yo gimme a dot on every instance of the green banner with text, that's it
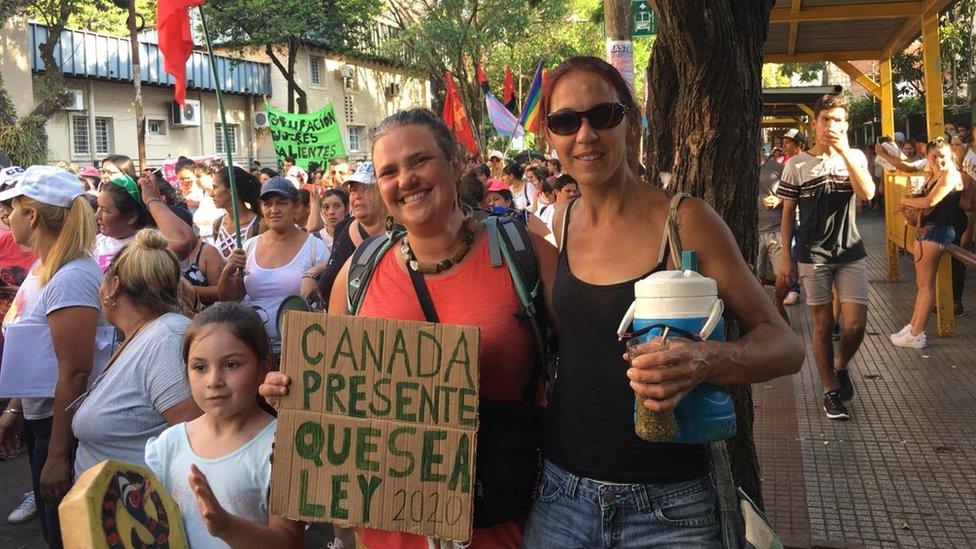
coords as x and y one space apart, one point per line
311 137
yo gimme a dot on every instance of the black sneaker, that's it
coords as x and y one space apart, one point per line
834 407
846 388
958 310
835 331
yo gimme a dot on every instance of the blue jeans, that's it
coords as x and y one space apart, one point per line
37 436
573 512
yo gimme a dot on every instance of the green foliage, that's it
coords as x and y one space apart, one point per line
772 77
863 109
337 25
805 71
101 16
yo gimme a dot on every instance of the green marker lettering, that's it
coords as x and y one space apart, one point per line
338 457
344 349
461 472
365 445
429 459
339 493
392 447
305 508
309 439
461 356
399 349
367 489
357 396
313 360
311 381
435 351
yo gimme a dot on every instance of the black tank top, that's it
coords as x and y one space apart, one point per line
947 212
589 423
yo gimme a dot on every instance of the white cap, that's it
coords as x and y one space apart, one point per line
792 134
899 137
496 154
47 185
10 176
675 284
296 171
364 174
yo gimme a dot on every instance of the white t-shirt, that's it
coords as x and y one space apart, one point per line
267 288
969 163
106 247
546 213
239 480
124 407
205 215
522 198
74 285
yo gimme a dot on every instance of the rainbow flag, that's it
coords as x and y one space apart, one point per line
530 110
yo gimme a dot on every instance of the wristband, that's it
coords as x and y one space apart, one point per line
153 199
11 411
311 275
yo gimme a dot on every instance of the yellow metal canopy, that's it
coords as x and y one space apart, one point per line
826 30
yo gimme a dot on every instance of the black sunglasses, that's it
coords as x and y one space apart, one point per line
602 117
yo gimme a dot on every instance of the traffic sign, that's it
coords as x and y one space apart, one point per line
644 18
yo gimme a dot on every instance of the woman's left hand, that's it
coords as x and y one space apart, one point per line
149 189
55 479
215 517
665 377
309 289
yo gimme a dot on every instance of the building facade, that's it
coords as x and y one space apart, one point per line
100 120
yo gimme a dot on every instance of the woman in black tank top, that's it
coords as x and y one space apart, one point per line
601 485
939 228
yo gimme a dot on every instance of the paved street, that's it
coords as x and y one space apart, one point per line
14 481
902 471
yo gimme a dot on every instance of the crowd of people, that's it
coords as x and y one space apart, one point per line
809 198
160 306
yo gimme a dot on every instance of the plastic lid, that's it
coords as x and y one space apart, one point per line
675 284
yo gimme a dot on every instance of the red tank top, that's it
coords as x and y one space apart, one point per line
473 294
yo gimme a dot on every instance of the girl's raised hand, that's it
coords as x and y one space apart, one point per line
217 520
275 385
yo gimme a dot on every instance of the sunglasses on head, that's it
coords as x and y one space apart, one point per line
601 117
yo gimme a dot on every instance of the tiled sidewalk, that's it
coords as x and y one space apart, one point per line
902 471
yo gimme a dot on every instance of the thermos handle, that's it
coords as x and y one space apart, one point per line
713 317
625 322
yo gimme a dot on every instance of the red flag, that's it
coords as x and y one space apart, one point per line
482 79
455 118
509 96
175 40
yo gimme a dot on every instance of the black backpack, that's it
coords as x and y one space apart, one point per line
508 239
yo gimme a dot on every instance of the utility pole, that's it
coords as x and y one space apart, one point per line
620 46
137 84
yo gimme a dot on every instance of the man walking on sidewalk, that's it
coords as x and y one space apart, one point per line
825 182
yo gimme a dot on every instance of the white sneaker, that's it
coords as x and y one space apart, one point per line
901 332
906 339
24 512
792 298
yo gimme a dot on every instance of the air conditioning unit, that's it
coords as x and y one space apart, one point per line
76 101
187 115
392 90
261 119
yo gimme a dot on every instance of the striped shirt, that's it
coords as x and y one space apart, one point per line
822 189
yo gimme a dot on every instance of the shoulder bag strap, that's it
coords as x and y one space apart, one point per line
674 237
423 295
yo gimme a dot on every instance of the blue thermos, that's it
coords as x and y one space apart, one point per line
688 303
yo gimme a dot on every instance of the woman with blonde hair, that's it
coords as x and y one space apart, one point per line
47 211
143 389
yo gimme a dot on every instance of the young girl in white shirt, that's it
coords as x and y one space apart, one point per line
217 467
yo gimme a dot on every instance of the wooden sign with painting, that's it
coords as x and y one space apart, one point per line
117 505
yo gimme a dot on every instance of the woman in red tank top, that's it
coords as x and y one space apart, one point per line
418 167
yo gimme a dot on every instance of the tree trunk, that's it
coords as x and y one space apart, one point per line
704 109
288 72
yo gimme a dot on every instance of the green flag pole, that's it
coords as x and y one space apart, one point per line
223 127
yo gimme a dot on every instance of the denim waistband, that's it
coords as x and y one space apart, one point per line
641 497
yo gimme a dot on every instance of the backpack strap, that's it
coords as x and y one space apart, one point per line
674 237
514 244
364 261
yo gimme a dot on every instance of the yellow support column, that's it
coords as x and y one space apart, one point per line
943 297
932 65
888 128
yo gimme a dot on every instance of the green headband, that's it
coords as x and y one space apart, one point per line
128 185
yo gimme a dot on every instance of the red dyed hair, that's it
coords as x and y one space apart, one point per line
612 76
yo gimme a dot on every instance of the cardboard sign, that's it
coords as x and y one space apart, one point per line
380 424
312 137
120 505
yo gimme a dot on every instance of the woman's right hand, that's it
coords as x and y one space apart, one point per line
236 260
274 387
9 427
